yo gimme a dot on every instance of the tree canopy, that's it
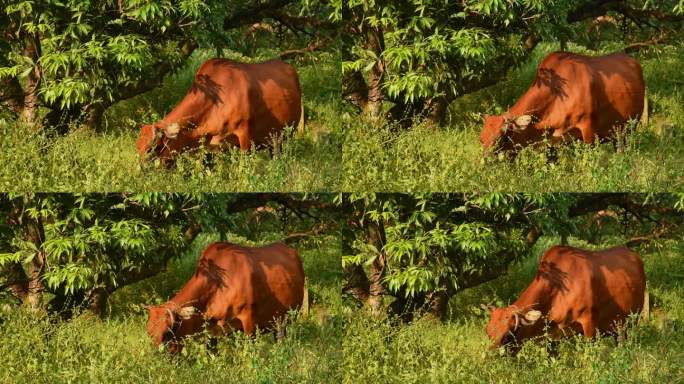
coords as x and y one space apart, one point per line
80 248
422 249
77 58
422 54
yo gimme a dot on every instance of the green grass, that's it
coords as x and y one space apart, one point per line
118 350
84 160
457 351
380 158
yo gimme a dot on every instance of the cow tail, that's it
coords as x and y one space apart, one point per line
646 309
300 125
644 113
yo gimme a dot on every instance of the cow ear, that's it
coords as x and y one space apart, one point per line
532 316
172 130
523 121
186 312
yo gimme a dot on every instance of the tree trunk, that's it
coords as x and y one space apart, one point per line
12 95
97 301
439 302
437 110
375 42
35 234
94 114
16 280
355 89
357 283
31 102
376 237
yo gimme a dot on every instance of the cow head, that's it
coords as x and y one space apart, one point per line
154 141
149 140
498 127
168 323
510 325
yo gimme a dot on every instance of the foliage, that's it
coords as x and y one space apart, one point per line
84 56
440 241
92 241
421 51
432 47
76 245
443 243
89 51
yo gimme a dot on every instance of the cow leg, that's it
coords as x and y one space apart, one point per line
247 324
587 132
588 327
243 138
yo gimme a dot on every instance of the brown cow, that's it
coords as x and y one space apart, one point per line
233 288
576 291
572 96
228 103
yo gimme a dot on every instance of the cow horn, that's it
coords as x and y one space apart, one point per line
171 316
522 121
531 317
517 320
186 312
172 130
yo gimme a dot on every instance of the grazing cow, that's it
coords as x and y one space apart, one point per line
574 291
572 97
233 288
229 103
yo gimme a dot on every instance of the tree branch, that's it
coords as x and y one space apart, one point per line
254 13
315 45
318 229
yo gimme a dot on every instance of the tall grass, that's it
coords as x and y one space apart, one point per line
84 160
380 157
118 350
427 351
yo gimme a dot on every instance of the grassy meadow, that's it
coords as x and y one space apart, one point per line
83 160
378 156
457 351
117 349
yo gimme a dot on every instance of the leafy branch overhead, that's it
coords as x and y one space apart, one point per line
433 246
421 56
83 247
79 58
